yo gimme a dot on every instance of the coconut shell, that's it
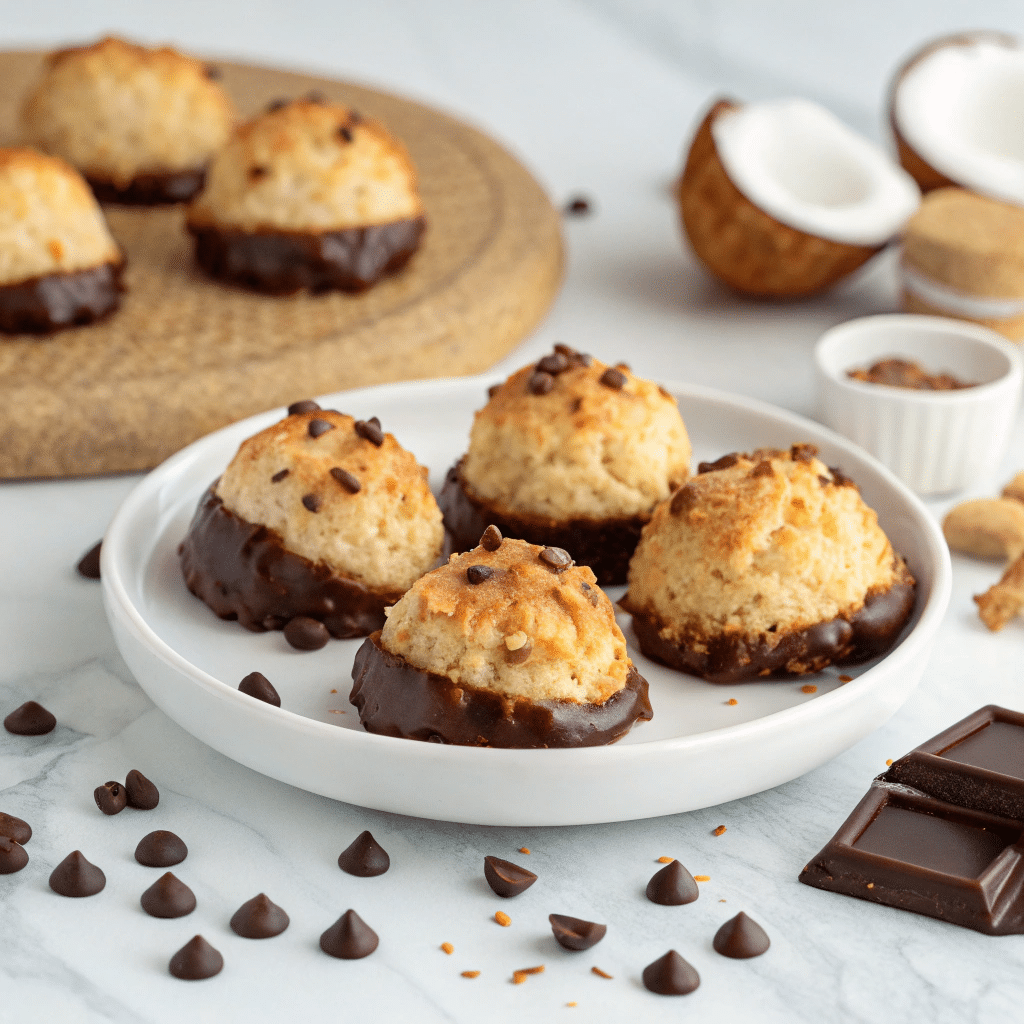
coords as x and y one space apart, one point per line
743 246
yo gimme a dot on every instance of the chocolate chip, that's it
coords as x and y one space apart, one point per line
306 405
763 468
354 117
741 938
110 797
89 564
577 206
259 918
490 539
318 427
364 857
12 857
479 573
258 171
14 828
213 73
306 634
493 390
279 476
312 502
683 500
572 933
277 104
75 876
615 379
554 364
141 793
168 896
583 358
196 960
257 685
540 383
520 654
670 975
370 431
347 480
315 96
349 938
345 132
31 719
823 480
160 849
839 478
505 878
803 452
723 463
558 558
672 886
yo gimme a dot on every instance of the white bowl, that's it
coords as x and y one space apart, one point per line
934 441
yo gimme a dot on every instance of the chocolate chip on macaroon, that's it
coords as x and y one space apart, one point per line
490 540
279 476
318 427
558 558
476 574
110 797
614 379
306 405
541 383
553 364
347 480
370 430
312 502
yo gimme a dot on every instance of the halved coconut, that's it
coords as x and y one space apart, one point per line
782 199
957 111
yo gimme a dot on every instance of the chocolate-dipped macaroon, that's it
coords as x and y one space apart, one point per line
571 453
308 195
319 517
59 266
141 124
766 565
507 645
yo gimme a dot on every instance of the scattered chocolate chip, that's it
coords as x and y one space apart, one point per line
505 878
741 938
572 933
89 564
31 719
370 431
554 364
75 876
306 405
479 573
670 975
763 468
258 171
672 886
160 849
345 132
615 379
683 500
196 960
493 390
558 558
540 383
141 793
12 856
803 452
306 634
168 896
315 96
519 654
257 685
723 463
213 73
347 480
577 206
364 857
490 539
312 502
318 427
259 918
14 828
277 104
110 797
349 938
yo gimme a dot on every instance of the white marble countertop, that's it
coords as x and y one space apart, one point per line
596 97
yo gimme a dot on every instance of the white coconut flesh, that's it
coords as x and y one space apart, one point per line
961 109
798 162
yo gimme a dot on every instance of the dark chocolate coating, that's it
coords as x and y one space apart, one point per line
153 188
867 633
285 262
243 571
575 934
52 302
606 545
396 699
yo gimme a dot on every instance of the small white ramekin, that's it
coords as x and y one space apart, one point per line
934 441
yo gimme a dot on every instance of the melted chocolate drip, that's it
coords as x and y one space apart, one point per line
151 189
52 302
396 699
243 571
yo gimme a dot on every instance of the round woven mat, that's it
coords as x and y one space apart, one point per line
185 355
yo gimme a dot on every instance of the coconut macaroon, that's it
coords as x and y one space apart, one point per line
59 265
318 517
507 645
308 195
573 453
141 124
767 564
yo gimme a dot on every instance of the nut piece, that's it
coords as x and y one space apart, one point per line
1005 599
986 528
1015 488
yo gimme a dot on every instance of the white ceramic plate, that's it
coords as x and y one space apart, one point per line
698 751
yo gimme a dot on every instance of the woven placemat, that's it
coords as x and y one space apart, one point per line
185 355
